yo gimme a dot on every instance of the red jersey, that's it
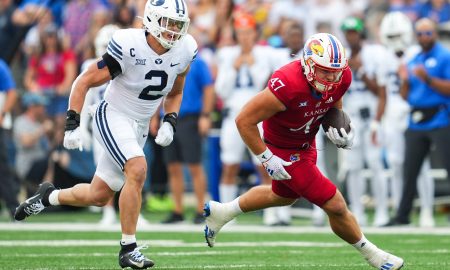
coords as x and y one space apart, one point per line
50 68
297 126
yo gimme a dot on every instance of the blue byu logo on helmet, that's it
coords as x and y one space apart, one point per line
157 2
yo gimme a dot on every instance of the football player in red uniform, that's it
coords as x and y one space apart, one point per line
291 109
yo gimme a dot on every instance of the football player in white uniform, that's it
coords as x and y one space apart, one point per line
145 66
364 102
396 33
93 97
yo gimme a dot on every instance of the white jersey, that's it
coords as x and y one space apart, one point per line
237 87
359 96
146 76
397 109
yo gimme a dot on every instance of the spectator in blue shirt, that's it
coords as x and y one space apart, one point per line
8 96
426 86
193 124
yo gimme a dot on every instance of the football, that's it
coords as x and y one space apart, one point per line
336 118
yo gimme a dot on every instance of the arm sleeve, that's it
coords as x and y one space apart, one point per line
114 67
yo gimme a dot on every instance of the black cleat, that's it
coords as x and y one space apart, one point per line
135 259
173 218
397 223
33 205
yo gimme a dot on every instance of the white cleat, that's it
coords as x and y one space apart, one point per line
216 217
385 261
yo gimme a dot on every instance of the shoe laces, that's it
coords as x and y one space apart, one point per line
137 255
34 208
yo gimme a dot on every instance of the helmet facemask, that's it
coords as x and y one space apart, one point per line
175 29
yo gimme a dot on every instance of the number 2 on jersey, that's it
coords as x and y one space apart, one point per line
152 92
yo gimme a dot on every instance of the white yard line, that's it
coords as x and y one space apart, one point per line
162 243
83 227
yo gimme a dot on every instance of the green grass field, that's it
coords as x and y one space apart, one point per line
58 246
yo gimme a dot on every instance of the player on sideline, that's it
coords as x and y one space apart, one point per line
291 108
144 65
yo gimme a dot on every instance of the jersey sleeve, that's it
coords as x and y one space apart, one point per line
117 47
190 50
279 85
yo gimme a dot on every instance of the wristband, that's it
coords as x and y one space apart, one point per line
72 120
265 156
171 118
428 80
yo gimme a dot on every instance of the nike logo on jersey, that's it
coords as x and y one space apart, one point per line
144 135
140 62
31 198
172 65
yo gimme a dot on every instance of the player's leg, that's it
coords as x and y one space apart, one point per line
356 184
131 195
176 184
199 186
425 189
417 146
379 184
344 225
191 154
123 140
269 214
232 150
96 193
257 198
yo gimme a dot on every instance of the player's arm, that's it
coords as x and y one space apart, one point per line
95 75
172 101
259 108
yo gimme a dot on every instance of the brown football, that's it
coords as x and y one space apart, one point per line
336 118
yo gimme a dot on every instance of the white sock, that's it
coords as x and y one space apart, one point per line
227 193
53 197
233 207
364 246
128 239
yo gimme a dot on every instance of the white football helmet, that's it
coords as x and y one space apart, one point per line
396 31
104 35
166 16
323 52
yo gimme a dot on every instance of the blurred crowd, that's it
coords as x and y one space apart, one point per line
45 43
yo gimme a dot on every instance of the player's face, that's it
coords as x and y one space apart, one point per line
174 27
327 75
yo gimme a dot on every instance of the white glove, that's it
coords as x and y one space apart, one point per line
165 134
345 141
274 165
72 139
